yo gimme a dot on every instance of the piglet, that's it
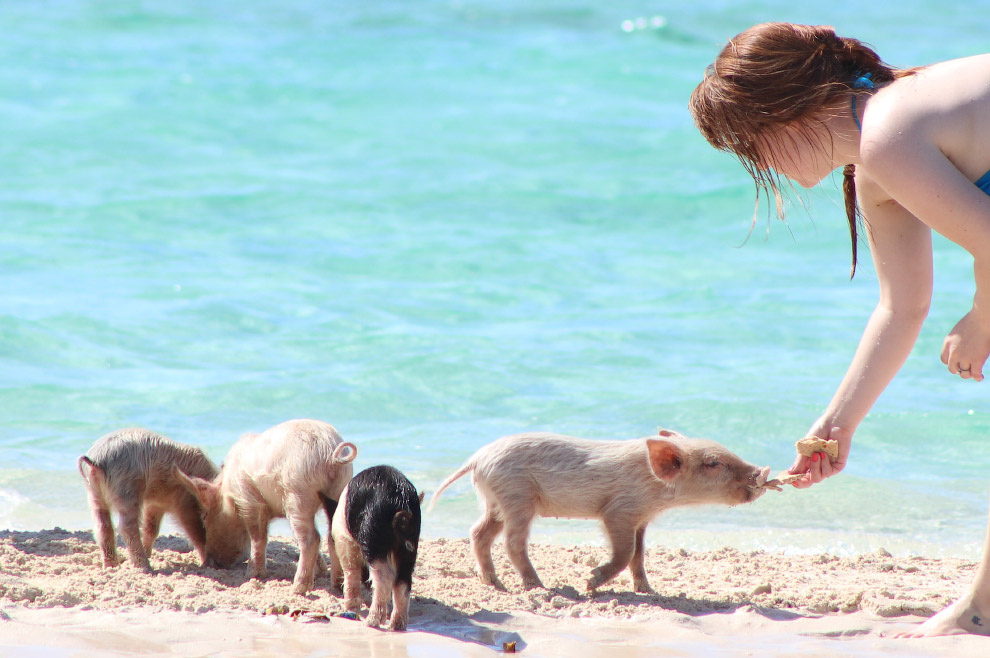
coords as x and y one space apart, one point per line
289 470
132 471
378 526
625 484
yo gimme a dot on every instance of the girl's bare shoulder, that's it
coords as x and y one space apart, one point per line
936 92
944 107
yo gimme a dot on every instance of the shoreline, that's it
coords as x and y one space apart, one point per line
52 578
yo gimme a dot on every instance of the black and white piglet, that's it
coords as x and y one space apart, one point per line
377 524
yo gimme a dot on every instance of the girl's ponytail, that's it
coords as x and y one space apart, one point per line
852 209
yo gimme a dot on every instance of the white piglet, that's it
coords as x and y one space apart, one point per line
625 484
290 470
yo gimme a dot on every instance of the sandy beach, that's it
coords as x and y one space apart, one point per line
56 600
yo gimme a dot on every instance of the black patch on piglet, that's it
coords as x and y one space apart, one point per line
330 506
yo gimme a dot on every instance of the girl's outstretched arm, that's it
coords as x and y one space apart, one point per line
902 255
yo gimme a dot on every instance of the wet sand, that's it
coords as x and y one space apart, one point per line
56 599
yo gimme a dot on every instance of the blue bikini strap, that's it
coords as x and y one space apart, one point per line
864 81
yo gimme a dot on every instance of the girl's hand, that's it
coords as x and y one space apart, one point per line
966 347
818 467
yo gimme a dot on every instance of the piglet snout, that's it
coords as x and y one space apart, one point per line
757 483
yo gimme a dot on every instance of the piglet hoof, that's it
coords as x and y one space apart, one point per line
143 567
259 573
352 605
397 623
301 588
493 581
532 583
594 583
375 621
644 588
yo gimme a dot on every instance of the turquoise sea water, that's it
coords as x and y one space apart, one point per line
435 223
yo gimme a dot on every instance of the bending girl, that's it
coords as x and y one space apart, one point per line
799 101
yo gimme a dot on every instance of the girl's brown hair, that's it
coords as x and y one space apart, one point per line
774 75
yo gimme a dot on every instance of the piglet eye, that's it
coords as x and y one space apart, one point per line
712 464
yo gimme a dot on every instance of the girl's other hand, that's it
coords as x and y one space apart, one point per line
818 466
966 347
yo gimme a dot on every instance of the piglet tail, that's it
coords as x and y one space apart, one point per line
344 453
402 527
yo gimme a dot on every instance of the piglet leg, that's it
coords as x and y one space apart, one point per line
336 573
105 537
623 539
483 535
351 562
257 565
400 607
637 564
516 547
130 529
304 530
150 527
382 582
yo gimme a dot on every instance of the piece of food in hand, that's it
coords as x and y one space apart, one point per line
782 479
808 447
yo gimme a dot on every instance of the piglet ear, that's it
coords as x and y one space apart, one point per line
205 492
666 458
668 433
